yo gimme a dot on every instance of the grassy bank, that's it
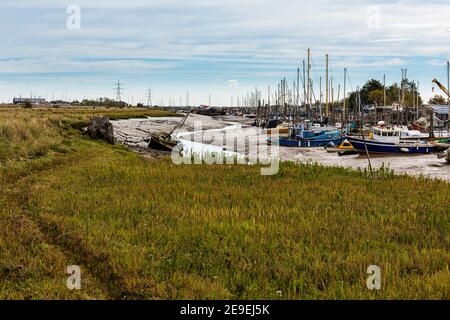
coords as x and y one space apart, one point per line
149 229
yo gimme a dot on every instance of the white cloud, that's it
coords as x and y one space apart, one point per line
233 83
255 40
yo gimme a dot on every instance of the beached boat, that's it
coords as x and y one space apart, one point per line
343 149
165 141
384 139
308 135
276 127
161 141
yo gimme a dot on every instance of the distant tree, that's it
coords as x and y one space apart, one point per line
373 92
140 105
104 102
437 99
376 97
371 85
393 92
27 104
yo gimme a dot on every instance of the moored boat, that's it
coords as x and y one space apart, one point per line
343 149
308 135
384 139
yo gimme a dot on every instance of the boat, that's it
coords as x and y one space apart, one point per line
445 155
161 141
309 135
275 126
343 149
385 139
209 111
165 141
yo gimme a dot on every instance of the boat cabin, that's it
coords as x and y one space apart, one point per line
394 134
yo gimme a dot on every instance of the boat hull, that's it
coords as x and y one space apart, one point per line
383 147
340 151
286 142
162 141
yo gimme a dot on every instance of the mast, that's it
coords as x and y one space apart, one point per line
448 97
320 98
338 95
278 99
332 100
284 99
417 97
293 107
304 83
326 87
309 80
414 96
345 88
298 94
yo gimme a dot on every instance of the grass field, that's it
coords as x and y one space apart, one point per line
147 229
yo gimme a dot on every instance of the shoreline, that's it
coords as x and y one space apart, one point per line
132 132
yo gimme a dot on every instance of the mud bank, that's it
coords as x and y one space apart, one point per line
132 133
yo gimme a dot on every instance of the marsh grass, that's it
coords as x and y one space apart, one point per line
143 228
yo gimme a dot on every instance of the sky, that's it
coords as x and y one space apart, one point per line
220 49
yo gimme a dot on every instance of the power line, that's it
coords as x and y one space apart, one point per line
149 97
119 91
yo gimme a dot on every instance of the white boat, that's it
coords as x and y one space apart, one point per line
385 139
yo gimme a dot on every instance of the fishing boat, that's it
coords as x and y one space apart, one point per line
309 135
385 139
343 149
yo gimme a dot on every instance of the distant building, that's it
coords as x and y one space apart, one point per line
394 107
439 109
34 101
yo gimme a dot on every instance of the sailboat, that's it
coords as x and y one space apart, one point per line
165 141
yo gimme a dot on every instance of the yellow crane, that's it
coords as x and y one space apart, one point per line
442 87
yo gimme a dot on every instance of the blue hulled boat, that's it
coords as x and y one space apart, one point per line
384 139
307 135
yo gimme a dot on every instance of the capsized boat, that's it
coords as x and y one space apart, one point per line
309 135
343 149
385 139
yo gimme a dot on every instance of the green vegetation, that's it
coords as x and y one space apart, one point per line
373 93
28 134
27 104
437 99
143 228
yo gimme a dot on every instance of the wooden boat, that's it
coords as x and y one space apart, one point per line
161 141
343 149
165 141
